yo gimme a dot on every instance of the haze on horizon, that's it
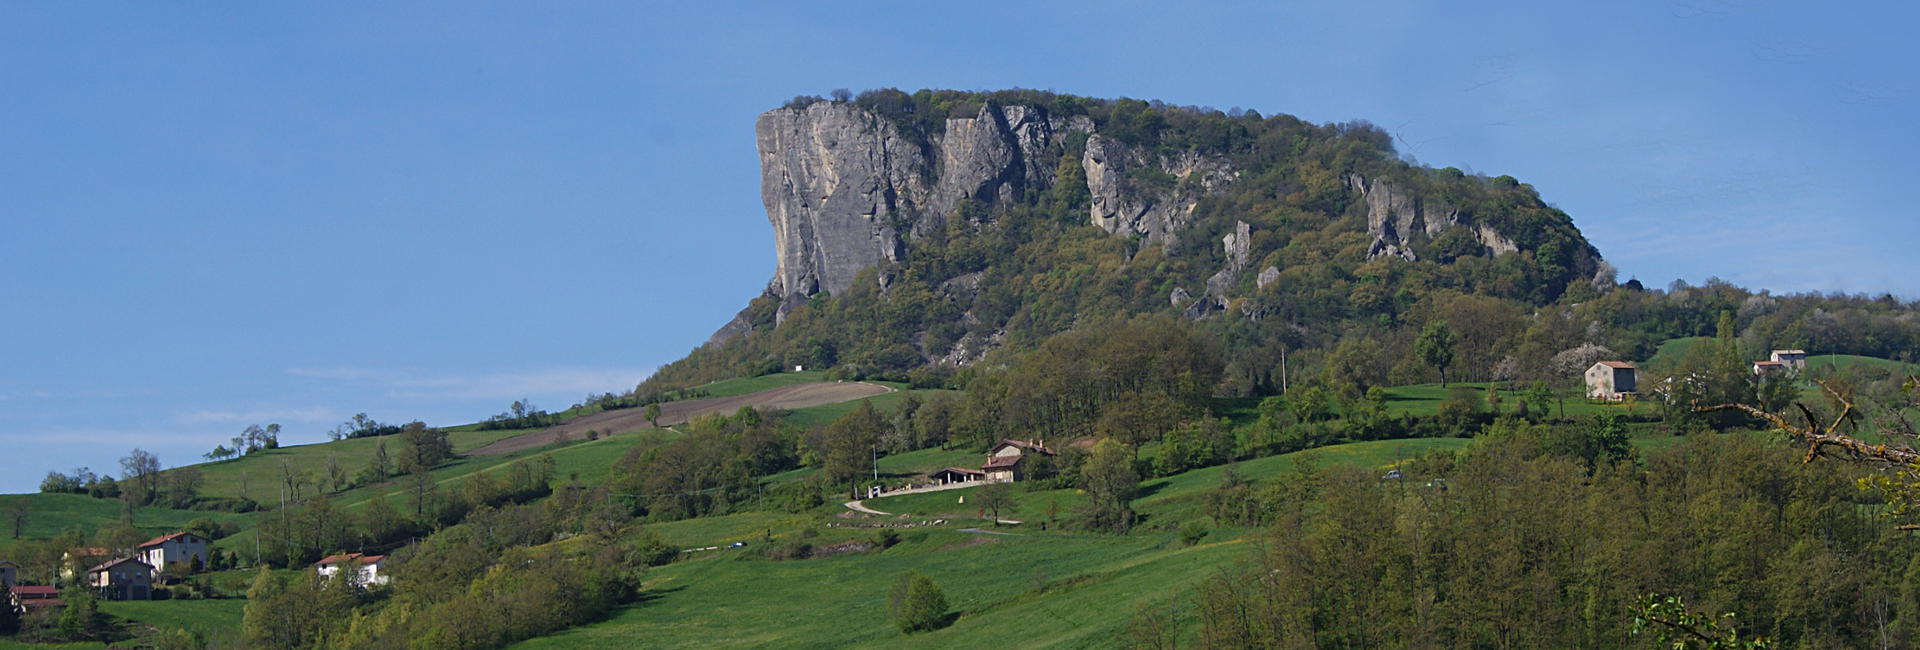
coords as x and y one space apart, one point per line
234 214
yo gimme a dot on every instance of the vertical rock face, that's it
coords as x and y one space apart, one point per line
831 177
1124 207
844 188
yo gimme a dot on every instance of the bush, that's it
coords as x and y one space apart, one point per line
1192 533
792 550
916 604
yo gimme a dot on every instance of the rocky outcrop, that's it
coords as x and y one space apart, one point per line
1238 245
1128 206
1394 216
1268 276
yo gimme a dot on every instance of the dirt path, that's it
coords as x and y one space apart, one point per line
671 413
856 505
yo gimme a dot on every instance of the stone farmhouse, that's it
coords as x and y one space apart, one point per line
1610 380
1007 461
1795 359
9 573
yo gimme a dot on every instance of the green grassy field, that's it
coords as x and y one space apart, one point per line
1425 400
1027 589
1056 591
10 644
199 616
55 513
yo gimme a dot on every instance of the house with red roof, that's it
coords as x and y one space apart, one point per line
27 599
176 549
1610 380
363 570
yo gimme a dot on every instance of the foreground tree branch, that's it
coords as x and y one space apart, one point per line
1901 487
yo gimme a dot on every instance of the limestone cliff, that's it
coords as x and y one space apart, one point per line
842 186
845 190
1394 217
1125 206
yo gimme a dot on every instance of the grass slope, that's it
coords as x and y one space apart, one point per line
1028 589
54 513
1055 590
203 617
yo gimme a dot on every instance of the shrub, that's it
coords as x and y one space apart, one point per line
916 604
792 550
1192 533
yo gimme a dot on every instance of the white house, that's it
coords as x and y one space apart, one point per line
363 569
1610 380
183 547
1795 359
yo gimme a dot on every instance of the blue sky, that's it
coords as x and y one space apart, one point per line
245 213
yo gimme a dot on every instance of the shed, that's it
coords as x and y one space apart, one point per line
9 573
956 475
1610 380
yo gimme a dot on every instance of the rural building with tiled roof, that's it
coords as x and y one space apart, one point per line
122 579
1610 380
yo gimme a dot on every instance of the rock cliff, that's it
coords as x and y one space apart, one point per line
845 189
1395 216
842 186
1125 205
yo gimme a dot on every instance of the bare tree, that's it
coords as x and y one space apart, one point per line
17 515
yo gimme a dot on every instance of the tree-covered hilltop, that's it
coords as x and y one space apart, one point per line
1006 274
1347 253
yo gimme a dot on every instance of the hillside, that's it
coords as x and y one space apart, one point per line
1234 346
1010 216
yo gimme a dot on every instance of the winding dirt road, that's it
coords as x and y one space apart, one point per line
671 413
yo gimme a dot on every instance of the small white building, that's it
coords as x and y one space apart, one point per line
1610 380
178 548
364 570
1795 359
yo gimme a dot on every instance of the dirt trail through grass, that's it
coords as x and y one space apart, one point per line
623 420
